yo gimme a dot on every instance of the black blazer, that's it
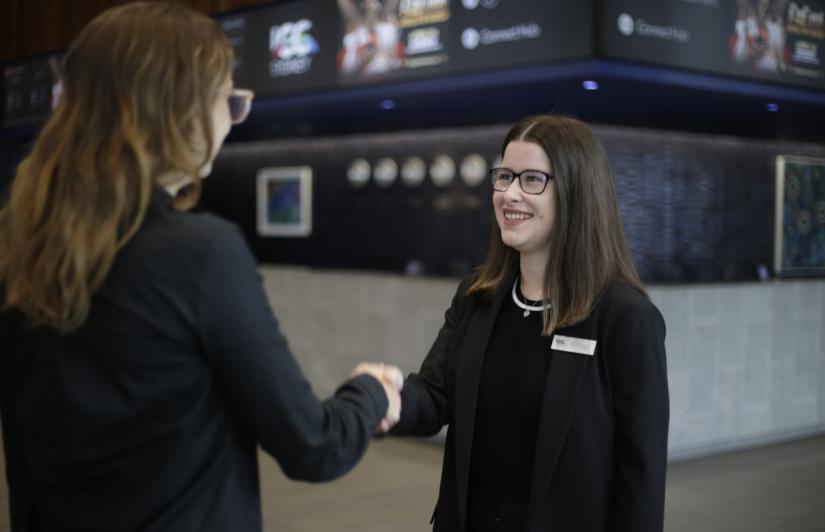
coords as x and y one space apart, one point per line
601 451
147 417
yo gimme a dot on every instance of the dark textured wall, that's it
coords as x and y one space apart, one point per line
696 208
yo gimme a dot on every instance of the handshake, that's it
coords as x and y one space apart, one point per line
393 381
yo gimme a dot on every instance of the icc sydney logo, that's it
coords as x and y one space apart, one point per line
291 48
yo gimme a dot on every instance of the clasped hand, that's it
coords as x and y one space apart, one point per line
393 381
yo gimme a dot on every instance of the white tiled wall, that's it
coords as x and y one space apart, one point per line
746 361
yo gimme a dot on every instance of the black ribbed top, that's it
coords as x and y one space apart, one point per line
509 401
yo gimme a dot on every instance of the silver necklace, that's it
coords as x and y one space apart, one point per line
527 308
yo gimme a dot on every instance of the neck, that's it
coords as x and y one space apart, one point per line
531 271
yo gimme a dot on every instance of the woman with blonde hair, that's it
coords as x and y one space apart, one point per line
140 363
550 366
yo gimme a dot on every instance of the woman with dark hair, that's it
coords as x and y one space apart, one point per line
140 364
550 366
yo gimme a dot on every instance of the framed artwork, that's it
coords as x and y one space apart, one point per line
799 236
284 196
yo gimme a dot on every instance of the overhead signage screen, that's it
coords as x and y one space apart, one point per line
304 45
780 40
392 38
236 28
495 33
323 44
290 47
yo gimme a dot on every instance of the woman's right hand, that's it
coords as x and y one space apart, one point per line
393 381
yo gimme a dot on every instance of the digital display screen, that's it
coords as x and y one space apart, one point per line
494 33
307 45
236 28
325 44
32 89
284 48
781 40
383 39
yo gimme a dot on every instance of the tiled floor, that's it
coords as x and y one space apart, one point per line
778 488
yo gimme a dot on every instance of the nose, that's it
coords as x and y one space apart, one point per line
514 192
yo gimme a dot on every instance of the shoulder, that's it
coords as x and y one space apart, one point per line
464 296
206 227
620 301
214 242
187 229
619 295
179 247
465 284
462 300
193 233
632 333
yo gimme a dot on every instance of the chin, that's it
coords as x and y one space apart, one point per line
512 243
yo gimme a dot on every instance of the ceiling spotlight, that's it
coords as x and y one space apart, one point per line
773 107
590 85
387 105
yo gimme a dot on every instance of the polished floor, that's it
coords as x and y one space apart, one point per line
777 488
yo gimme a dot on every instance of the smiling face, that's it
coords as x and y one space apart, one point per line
526 220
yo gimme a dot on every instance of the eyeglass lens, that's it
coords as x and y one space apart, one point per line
531 181
239 105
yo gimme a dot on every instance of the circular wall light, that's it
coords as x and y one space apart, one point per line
384 172
358 173
473 170
413 171
442 170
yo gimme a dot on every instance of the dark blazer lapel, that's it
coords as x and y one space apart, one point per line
468 375
564 378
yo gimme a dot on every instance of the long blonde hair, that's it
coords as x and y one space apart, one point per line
139 83
588 249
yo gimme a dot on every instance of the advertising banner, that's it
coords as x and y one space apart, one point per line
320 44
392 38
781 40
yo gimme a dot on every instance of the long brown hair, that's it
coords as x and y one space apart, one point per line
139 82
588 248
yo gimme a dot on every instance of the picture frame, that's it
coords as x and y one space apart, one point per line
284 201
799 230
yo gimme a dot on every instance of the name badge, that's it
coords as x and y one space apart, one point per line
570 344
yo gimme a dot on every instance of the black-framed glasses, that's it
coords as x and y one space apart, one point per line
531 181
240 102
